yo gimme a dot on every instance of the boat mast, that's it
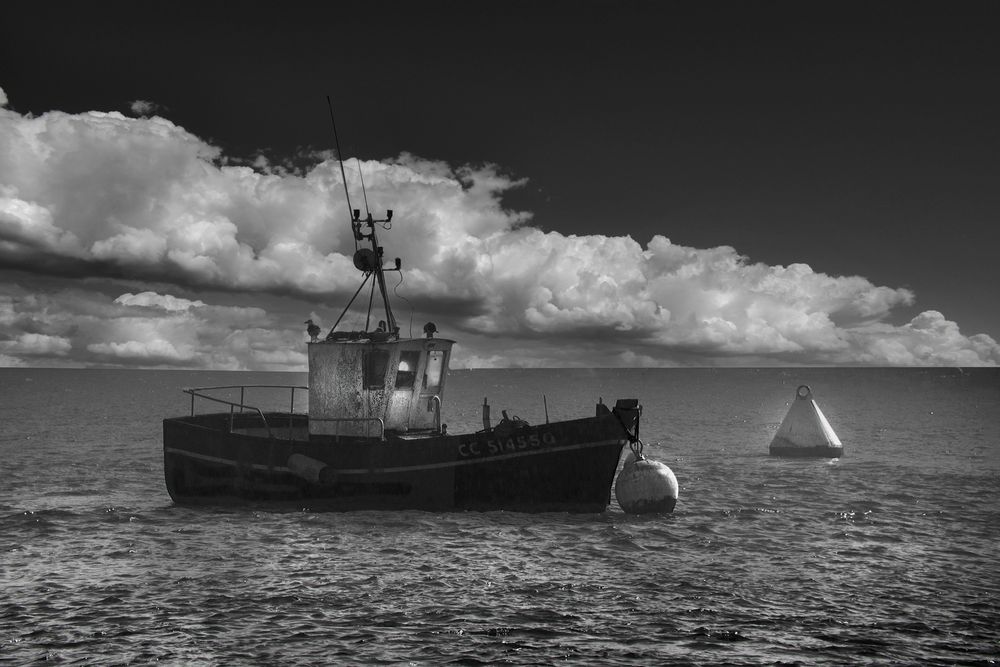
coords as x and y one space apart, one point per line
366 260
369 261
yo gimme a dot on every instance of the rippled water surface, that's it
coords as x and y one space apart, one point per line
888 555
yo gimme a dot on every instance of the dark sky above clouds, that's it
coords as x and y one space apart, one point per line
702 182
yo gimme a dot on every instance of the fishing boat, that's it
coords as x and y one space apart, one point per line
374 436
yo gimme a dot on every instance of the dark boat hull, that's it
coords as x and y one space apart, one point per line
221 459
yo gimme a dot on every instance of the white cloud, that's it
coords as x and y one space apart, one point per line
100 195
154 350
27 225
8 361
266 349
74 326
143 107
131 246
36 344
927 340
3 98
152 299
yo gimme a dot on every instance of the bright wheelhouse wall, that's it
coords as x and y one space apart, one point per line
352 384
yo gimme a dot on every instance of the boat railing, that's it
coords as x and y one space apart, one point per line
339 420
434 403
242 406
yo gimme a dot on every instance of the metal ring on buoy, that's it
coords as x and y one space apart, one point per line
807 394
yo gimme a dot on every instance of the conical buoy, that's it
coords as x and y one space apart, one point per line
645 486
805 431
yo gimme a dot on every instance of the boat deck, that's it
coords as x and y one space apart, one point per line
292 432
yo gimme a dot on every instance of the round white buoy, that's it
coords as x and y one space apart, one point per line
645 486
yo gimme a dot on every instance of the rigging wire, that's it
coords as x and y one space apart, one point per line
358 291
371 299
343 174
396 292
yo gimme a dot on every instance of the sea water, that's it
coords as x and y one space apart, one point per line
887 555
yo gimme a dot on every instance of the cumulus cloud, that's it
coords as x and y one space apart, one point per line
103 194
153 350
109 198
144 107
37 344
154 300
74 326
929 339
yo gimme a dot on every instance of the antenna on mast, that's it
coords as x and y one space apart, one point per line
368 211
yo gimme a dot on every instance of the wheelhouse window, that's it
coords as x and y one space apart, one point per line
435 365
407 372
376 363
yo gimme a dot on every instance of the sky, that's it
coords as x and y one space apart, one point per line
590 184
